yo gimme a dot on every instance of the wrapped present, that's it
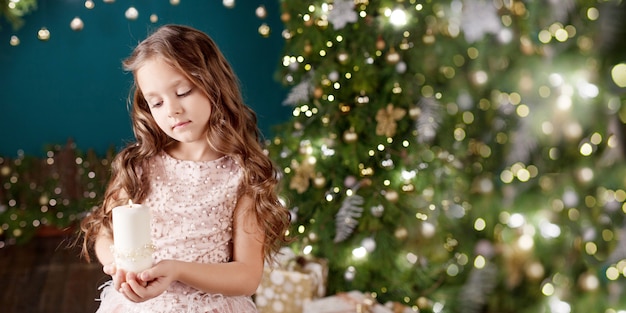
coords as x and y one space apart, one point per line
352 302
289 284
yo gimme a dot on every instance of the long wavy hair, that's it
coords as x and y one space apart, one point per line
232 130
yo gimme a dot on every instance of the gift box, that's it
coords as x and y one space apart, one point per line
291 283
352 302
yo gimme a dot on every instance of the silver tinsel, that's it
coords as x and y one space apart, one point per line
347 217
299 93
476 290
428 120
523 142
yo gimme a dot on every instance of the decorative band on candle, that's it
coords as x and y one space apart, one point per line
132 255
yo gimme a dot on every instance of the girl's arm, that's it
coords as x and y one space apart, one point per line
241 276
102 248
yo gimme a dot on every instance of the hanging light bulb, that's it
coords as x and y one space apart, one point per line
43 34
14 41
132 13
77 24
264 30
261 12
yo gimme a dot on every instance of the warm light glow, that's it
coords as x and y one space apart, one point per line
307 250
586 149
549 230
516 220
398 17
408 175
480 224
525 242
480 262
359 252
547 289
618 74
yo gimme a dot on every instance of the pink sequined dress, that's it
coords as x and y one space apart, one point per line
192 207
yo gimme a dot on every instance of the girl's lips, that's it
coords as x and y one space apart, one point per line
181 124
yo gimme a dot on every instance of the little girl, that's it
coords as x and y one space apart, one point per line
199 165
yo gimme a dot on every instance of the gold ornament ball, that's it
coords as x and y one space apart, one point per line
366 182
154 18
391 195
318 92
174 2
285 17
77 24
380 44
43 34
350 136
526 46
43 200
307 48
588 282
393 57
401 233
423 303
535 271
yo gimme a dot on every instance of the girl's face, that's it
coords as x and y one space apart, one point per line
178 107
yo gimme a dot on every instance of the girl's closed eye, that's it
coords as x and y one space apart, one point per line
184 94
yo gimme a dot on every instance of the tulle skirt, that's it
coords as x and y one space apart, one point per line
178 299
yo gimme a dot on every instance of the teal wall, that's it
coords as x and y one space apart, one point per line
73 86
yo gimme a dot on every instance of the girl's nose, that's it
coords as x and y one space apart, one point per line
174 108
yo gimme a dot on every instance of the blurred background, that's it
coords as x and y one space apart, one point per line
73 85
437 156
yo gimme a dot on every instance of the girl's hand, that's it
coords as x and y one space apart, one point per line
118 275
149 283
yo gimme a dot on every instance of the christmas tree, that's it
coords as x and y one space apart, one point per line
459 156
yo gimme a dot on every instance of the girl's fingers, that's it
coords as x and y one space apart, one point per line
136 286
127 290
109 269
118 279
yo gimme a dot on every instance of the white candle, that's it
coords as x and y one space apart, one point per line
132 242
